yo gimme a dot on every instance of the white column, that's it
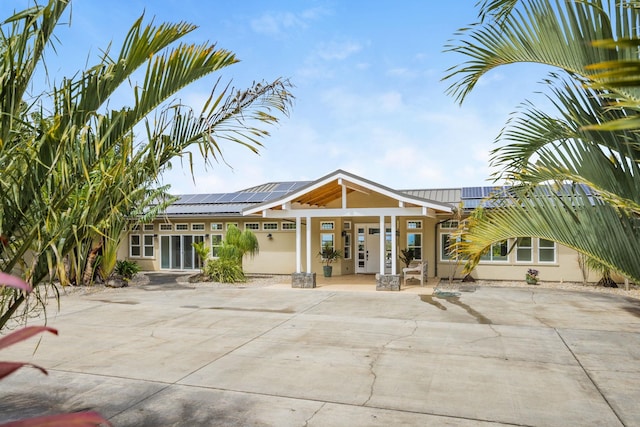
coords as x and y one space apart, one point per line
382 239
308 244
298 245
394 255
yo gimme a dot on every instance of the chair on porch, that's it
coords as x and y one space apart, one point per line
415 270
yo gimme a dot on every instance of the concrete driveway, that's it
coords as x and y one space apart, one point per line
179 356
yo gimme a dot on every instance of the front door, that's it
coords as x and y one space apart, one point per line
368 248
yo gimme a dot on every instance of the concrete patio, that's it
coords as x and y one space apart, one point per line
275 356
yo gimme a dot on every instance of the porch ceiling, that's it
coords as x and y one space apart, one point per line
322 195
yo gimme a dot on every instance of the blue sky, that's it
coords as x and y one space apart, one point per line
367 76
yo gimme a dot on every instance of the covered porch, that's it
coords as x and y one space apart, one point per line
320 213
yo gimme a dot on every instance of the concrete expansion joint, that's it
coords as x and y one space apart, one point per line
593 382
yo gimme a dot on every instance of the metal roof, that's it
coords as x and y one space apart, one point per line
442 195
233 204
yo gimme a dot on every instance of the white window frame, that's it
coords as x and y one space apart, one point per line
197 226
253 226
346 225
288 226
149 227
414 224
540 248
332 239
450 224
520 247
137 245
217 226
347 246
327 225
490 254
229 224
166 227
415 246
214 248
148 243
182 227
270 226
444 257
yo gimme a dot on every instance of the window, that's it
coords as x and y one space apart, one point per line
197 227
182 227
148 245
327 225
252 226
546 250
450 223
149 227
327 241
216 243
414 225
270 226
215 226
134 245
135 227
229 224
288 225
497 252
445 247
346 225
524 250
414 242
166 227
347 246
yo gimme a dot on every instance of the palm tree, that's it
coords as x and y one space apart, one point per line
72 167
237 244
574 170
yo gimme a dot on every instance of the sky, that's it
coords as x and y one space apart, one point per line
367 76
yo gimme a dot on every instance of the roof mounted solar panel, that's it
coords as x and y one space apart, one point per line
472 192
242 197
212 198
259 197
185 199
226 198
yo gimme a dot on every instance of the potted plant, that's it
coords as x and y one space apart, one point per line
329 255
407 256
532 276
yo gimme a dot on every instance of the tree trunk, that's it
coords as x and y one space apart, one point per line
87 277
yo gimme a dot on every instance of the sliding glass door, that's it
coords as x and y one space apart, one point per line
177 253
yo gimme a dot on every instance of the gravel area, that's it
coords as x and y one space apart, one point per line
263 280
633 292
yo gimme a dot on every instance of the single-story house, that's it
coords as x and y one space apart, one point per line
370 223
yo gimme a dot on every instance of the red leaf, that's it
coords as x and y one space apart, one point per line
14 282
78 419
23 334
8 368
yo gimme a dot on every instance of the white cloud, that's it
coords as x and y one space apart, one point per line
278 23
337 50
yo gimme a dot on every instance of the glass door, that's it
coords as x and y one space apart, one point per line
368 248
177 253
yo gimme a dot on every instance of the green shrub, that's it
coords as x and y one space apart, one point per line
224 270
127 269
